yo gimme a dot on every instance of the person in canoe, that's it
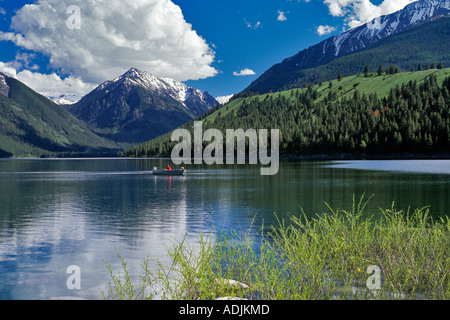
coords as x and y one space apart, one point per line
168 171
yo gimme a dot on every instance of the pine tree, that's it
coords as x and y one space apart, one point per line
340 76
380 70
366 71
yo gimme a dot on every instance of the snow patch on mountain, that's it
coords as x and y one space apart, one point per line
4 88
192 99
360 37
338 40
349 42
177 90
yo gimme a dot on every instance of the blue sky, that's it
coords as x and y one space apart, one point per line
249 35
215 46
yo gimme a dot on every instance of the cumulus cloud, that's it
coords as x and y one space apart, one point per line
244 72
24 60
324 30
224 99
358 12
281 15
49 85
113 35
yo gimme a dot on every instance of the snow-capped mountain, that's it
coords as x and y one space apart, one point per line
190 97
137 106
64 100
351 41
360 37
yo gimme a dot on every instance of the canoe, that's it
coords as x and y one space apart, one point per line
164 172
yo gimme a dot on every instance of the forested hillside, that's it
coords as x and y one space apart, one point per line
413 118
33 126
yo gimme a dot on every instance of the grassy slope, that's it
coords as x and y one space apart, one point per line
379 84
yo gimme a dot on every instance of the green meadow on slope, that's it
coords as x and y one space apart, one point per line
381 85
361 114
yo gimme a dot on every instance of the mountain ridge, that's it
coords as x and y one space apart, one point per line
351 41
138 106
31 125
414 53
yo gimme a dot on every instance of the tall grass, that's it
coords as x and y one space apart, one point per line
325 257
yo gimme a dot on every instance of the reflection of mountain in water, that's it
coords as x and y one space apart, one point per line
54 214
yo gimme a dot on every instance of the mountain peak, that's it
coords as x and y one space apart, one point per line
349 42
133 70
138 106
65 100
381 27
134 73
176 89
137 77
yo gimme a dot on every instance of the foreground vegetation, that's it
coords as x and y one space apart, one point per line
326 257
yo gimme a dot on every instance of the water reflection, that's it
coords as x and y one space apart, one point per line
57 213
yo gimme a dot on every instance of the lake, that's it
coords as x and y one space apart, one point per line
59 213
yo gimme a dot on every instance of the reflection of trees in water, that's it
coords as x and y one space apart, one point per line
50 209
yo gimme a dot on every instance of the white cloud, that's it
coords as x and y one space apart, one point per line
282 15
358 12
2 11
244 72
24 60
115 35
324 30
49 85
255 26
224 99
8 70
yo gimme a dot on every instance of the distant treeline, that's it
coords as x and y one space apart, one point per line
414 118
392 69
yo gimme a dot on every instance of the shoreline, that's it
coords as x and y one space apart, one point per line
406 156
321 263
343 156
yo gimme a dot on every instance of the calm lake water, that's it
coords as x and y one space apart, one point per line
58 213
